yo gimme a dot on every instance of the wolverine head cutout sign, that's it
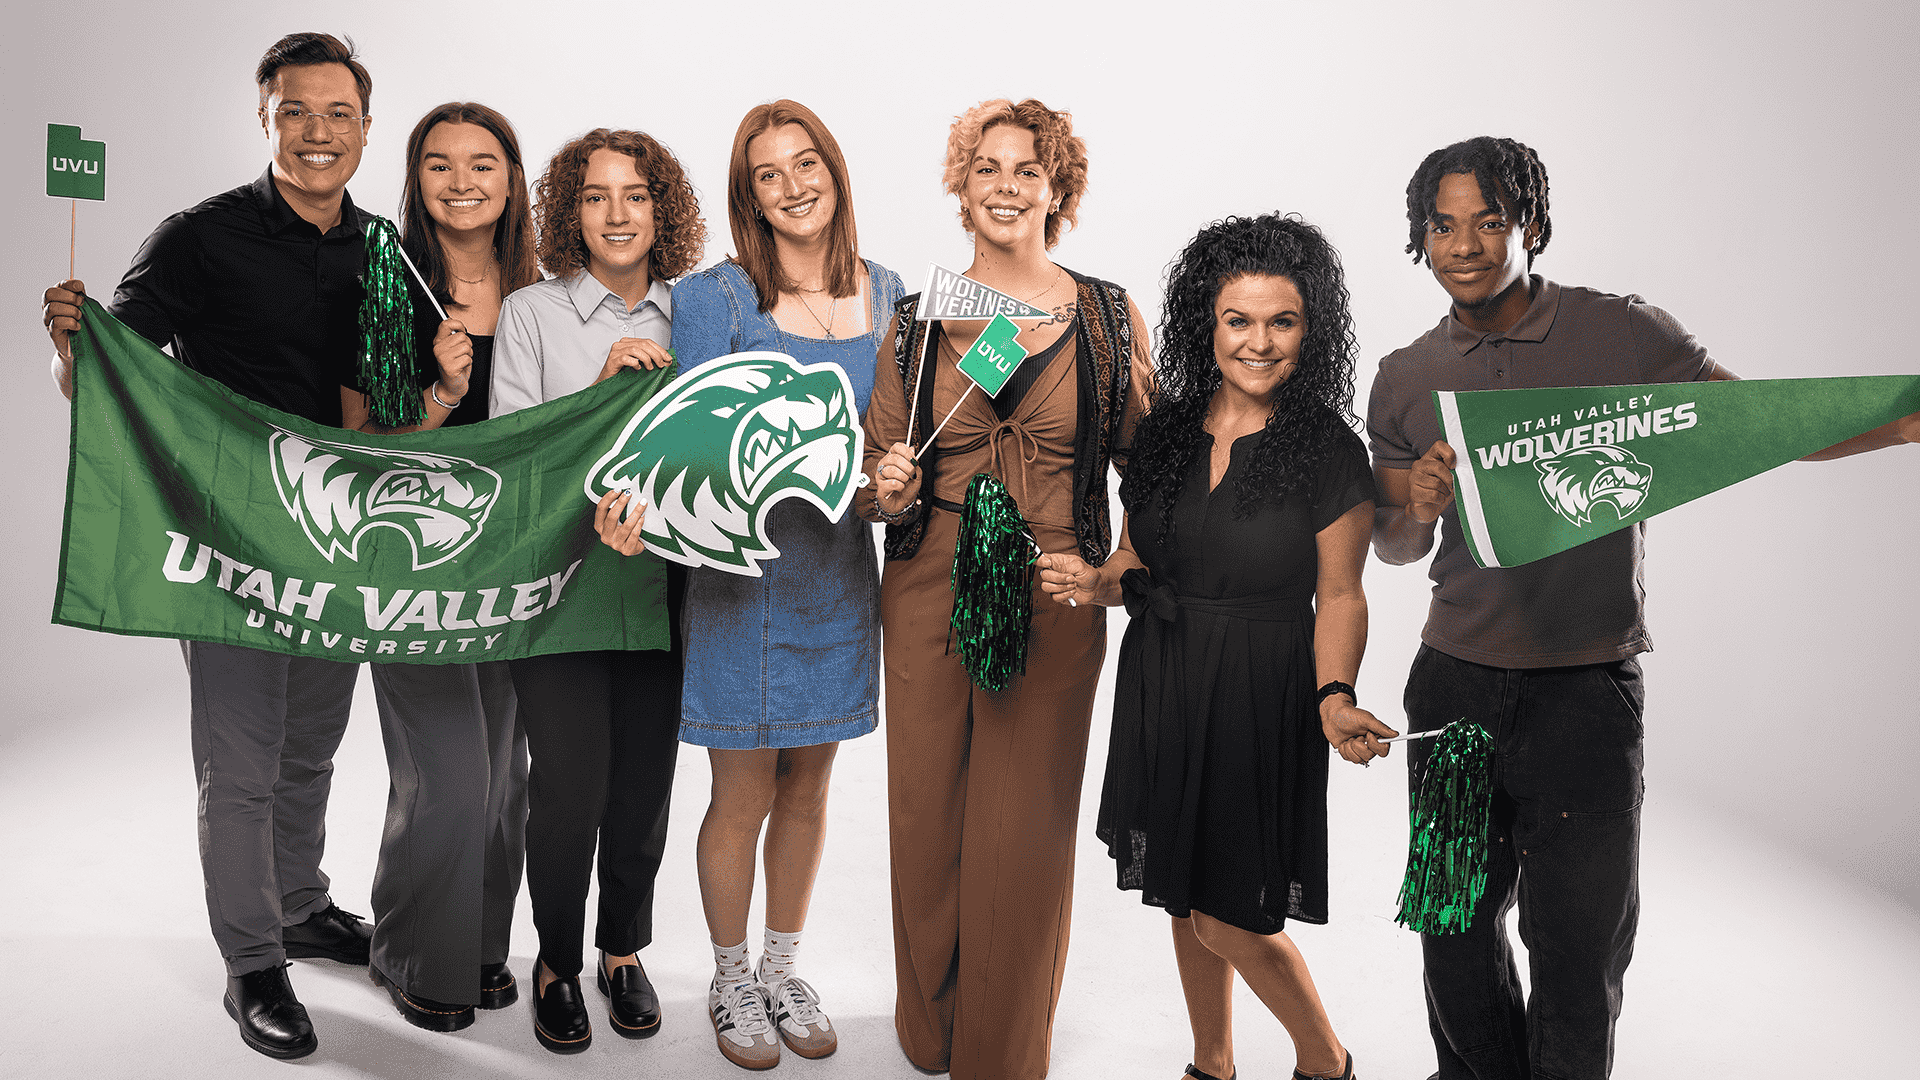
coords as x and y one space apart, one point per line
712 453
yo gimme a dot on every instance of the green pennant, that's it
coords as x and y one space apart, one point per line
76 167
1540 471
994 356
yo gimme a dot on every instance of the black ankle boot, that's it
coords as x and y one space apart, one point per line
271 1018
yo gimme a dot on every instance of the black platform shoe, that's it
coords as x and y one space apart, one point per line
271 1019
424 1012
631 1003
333 934
497 986
560 1016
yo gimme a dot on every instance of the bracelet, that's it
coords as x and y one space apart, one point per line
906 511
434 393
1333 688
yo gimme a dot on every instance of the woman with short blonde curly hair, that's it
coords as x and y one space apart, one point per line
617 219
983 786
1062 156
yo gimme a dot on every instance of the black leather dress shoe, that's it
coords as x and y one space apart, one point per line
424 1012
336 935
271 1019
631 1003
497 986
560 1016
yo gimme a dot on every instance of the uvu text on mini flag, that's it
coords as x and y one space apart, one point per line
994 355
1539 471
76 169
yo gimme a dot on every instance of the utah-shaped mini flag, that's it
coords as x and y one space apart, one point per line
76 167
994 355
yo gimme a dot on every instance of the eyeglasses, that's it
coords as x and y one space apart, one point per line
337 121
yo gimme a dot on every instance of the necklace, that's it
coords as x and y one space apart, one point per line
1057 272
485 272
831 309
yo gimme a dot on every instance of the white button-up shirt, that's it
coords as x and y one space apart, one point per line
554 335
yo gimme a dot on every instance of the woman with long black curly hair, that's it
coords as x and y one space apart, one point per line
1254 502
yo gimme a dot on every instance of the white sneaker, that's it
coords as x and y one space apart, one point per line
740 1024
797 1016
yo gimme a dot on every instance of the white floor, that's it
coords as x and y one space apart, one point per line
1752 961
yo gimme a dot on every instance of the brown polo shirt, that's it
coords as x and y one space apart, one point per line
1582 606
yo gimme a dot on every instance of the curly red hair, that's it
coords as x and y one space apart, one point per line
680 234
1063 155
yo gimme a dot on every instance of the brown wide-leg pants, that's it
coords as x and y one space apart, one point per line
983 802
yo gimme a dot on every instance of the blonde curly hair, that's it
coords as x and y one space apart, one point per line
1062 154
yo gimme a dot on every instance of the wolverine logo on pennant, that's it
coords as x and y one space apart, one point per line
340 492
712 453
1578 480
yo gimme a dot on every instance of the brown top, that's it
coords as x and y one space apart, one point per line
1031 451
1585 605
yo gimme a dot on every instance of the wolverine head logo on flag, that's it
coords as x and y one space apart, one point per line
711 454
340 492
1578 480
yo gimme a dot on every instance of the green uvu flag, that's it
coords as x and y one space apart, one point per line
994 356
76 167
195 513
1541 471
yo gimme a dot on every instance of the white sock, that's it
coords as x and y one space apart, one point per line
780 955
730 964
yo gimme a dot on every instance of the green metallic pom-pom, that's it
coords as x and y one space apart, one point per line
992 585
386 332
1450 826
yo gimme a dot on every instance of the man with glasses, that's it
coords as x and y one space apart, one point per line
259 289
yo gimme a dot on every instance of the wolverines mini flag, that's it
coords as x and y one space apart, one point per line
956 296
1543 470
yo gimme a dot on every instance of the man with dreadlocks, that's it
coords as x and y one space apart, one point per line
1541 655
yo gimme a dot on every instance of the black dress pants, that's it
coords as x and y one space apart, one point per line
602 736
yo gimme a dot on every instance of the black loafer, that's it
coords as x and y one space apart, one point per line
631 1003
560 1016
271 1019
497 987
424 1012
333 934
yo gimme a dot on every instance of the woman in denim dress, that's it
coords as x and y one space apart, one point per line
781 667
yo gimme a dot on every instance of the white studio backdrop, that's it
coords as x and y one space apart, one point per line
1749 167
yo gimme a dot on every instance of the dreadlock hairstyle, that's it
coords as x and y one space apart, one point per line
1311 409
1509 172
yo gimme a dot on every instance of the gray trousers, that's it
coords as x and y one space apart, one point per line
265 727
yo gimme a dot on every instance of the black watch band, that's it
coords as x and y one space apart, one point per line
1333 688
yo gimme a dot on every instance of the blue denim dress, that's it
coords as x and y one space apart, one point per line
792 657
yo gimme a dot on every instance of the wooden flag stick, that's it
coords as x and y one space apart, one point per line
943 423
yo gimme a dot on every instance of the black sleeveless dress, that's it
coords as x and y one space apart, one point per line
1216 788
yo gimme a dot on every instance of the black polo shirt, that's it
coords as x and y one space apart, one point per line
252 295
